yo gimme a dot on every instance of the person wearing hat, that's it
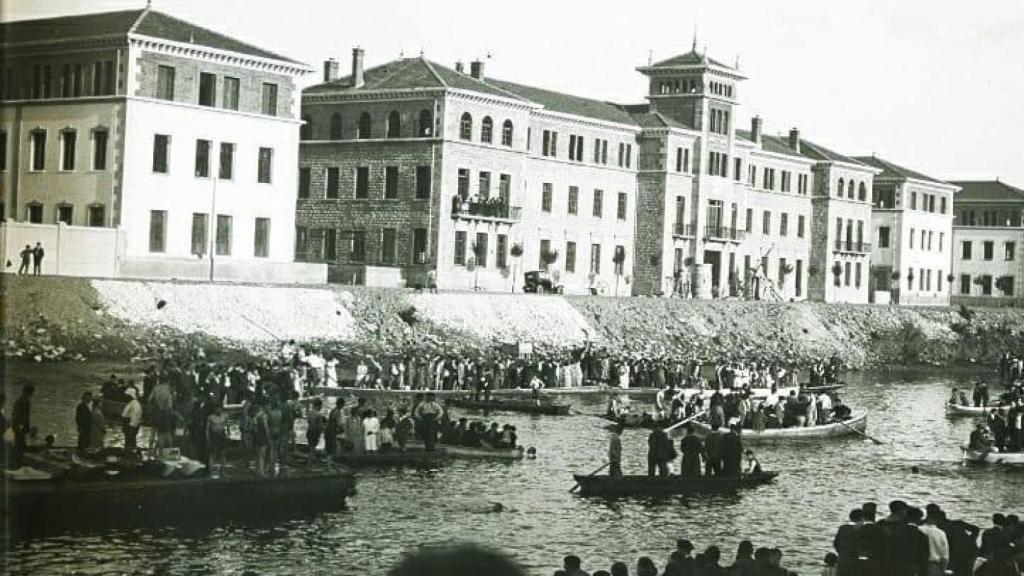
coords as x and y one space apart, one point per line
980 440
132 415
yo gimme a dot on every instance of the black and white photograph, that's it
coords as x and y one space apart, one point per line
457 288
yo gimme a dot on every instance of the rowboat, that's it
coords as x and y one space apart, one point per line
451 450
408 457
822 389
961 410
525 406
660 485
857 423
48 502
1003 458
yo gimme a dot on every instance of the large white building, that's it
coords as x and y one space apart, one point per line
988 235
181 139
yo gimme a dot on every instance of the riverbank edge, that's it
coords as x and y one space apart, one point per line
63 319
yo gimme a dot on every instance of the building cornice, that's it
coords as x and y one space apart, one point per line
216 55
40 47
544 113
212 109
409 94
686 68
473 96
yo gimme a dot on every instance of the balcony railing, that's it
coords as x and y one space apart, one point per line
854 247
724 234
687 230
493 208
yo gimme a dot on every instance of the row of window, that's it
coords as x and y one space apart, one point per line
844 276
166 77
768 182
573 199
681 86
486 129
719 121
75 80
716 219
392 129
158 225
1005 284
850 188
848 229
360 178
68 160
483 192
924 277
996 218
549 148
203 152
547 256
924 241
927 203
478 252
350 246
988 249
65 213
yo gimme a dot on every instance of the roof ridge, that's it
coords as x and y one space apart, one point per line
142 15
403 64
430 66
268 54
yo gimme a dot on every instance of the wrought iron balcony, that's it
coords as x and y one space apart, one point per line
853 247
723 234
491 209
686 230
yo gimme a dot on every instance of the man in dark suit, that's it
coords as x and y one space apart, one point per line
83 420
848 543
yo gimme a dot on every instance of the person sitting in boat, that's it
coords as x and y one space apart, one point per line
753 467
980 440
954 398
980 394
841 411
618 406
493 435
664 399
507 438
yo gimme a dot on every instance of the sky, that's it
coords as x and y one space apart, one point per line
934 85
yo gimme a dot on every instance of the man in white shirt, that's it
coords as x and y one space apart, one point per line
938 545
132 415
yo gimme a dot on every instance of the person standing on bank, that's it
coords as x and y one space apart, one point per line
21 421
132 415
83 421
26 258
615 452
37 259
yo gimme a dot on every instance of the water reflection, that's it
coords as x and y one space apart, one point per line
398 509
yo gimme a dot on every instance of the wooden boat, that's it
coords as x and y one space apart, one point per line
662 485
141 497
524 406
822 389
1002 458
517 453
858 422
410 457
961 410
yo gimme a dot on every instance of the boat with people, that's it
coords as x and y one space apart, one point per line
474 452
856 423
993 457
523 406
968 410
822 389
59 489
642 485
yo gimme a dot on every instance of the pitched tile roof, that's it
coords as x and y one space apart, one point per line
987 190
691 58
567 103
819 152
890 170
411 74
776 144
646 118
146 22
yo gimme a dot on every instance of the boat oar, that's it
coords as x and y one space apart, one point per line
864 434
603 466
684 421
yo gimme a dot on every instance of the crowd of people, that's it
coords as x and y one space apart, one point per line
1003 427
685 560
717 454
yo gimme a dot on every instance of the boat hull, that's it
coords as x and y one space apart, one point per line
975 411
525 407
665 485
856 423
1000 458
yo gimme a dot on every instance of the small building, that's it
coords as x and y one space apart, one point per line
988 233
142 145
912 229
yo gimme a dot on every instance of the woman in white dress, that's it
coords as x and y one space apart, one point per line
371 428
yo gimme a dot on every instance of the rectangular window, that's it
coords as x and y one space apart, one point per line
484 185
99 149
68 141
800 226
622 209
35 213
988 250
305 179
620 260
268 99
207 89
686 160
266 160
164 83
784 224
965 250
333 189
1007 285
202 158
226 171
223 235
480 249
161 147
387 246
422 182
595 258
200 221
3 150
913 200
460 248
419 246
883 237
846 274
856 274
737 171
749 224
942 205
157 230
230 98
965 284
330 245
782 271
38 138
358 247
766 223
598 203
679 159
629 155
911 238
986 285
391 182
545 248
785 181
622 155
604 152
1009 251
570 256
501 252
97 216
545 197
362 182
65 214
574 198
680 214
463 185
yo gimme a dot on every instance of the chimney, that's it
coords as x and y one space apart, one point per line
458 67
357 67
476 69
794 139
330 70
755 129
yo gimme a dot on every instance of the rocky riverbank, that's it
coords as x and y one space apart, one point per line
52 319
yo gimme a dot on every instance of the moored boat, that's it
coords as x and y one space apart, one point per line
1003 458
856 424
823 388
517 453
661 485
524 406
962 410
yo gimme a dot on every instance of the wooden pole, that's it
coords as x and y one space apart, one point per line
684 421
603 466
864 434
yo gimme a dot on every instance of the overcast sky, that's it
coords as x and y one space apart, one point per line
936 85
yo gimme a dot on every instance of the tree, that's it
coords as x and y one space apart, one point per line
516 251
837 271
548 257
619 259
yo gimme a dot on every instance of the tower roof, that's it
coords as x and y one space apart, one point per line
988 190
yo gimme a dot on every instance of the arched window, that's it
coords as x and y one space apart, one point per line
394 124
466 127
306 132
862 192
849 190
506 133
487 130
336 126
842 185
426 124
365 126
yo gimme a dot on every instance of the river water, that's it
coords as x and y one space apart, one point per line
398 509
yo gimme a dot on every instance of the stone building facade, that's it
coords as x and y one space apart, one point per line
988 233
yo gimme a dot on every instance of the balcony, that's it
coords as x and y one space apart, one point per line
684 230
488 210
852 247
723 234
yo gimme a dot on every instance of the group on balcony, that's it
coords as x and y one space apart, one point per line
491 207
